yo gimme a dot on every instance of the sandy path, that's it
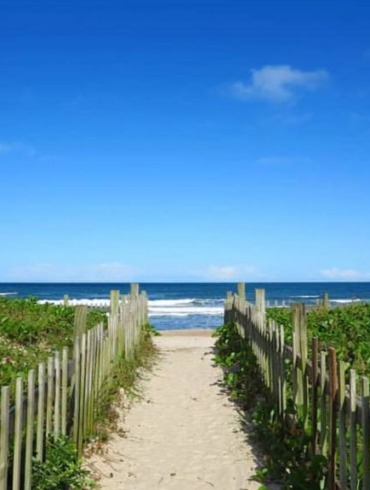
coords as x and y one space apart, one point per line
184 434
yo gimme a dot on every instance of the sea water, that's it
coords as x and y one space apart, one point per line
191 305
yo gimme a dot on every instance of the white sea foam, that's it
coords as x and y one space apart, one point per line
306 296
96 303
343 301
170 302
8 294
161 307
177 315
195 310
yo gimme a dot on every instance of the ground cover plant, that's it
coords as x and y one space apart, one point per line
61 469
285 447
346 328
125 377
30 332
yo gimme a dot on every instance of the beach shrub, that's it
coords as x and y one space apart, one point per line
236 358
124 378
282 440
30 332
61 469
346 328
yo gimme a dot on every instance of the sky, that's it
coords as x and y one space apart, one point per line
184 140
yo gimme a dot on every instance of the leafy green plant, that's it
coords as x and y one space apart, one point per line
150 329
347 328
61 469
30 332
283 440
236 358
125 375
286 447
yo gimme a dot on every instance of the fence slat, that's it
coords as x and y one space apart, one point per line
40 413
49 396
4 437
365 432
77 382
333 412
64 391
63 401
82 412
323 405
30 429
17 456
57 395
314 385
353 428
342 426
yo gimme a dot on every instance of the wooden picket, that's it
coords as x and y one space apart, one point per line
63 398
326 401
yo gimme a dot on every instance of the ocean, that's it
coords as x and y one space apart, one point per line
192 305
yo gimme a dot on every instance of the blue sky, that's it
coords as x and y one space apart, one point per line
182 140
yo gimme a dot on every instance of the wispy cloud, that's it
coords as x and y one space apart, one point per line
230 273
103 272
7 148
278 83
345 274
15 148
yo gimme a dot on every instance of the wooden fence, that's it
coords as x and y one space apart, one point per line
326 396
61 396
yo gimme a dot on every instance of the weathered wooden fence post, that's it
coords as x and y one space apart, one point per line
353 428
300 381
326 301
114 301
228 311
4 437
80 320
314 387
333 405
365 423
44 410
241 290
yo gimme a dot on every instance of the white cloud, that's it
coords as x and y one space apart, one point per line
229 273
345 274
104 272
278 83
7 148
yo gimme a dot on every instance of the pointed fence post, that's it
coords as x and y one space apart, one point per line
241 290
80 321
228 312
4 437
114 301
365 432
333 405
314 383
134 288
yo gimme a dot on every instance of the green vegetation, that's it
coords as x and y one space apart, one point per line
30 332
239 364
61 469
346 328
124 377
284 443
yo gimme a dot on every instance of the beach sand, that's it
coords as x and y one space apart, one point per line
184 433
